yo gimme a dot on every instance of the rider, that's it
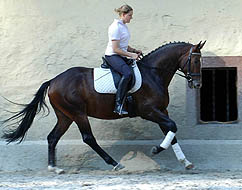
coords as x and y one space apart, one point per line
117 52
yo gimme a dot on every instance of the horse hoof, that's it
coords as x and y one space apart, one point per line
154 151
189 167
118 167
56 170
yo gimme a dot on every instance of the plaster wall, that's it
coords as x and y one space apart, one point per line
40 39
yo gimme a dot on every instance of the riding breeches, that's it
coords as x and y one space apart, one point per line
119 64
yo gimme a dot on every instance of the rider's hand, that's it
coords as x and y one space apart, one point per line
134 56
140 54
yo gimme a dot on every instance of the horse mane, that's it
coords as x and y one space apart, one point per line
165 46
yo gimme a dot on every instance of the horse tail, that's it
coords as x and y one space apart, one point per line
25 117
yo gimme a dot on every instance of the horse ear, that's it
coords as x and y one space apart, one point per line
201 45
197 47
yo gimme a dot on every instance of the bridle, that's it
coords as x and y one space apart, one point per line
189 74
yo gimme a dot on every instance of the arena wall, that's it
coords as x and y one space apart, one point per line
40 39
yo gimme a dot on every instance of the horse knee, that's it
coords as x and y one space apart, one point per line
172 126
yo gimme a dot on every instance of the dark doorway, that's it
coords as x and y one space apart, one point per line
218 95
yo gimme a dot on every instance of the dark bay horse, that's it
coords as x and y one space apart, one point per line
73 99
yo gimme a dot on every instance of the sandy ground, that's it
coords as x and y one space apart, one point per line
105 180
168 180
24 167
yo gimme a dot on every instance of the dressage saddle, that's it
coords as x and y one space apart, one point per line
116 75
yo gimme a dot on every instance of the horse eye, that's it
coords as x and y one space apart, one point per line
196 61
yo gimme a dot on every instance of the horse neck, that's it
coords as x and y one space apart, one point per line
167 61
169 66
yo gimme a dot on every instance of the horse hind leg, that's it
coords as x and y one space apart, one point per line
88 138
62 125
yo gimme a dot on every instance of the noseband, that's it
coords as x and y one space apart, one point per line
189 74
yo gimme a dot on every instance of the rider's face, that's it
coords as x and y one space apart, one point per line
126 17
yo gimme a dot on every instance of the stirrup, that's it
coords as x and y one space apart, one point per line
118 109
121 112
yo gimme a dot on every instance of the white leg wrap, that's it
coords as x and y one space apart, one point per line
56 170
178 152
180 155
167 141
187 163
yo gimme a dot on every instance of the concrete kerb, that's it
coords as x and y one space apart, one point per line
135 155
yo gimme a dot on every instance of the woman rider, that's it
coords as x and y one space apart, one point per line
117 52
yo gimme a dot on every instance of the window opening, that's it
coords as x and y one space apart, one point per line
218 95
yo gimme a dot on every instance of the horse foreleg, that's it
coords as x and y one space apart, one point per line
164 145
181 157
177 150
169 126
61 127
88 138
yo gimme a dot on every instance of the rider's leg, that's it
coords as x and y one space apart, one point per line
120 96
119 65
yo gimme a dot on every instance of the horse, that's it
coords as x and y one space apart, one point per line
73 98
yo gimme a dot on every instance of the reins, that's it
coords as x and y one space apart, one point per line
156 68
187 76
150 67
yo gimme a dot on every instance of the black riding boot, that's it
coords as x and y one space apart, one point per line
120 96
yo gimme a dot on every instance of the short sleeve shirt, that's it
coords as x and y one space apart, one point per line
117 31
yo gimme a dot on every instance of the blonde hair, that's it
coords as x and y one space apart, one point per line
123 9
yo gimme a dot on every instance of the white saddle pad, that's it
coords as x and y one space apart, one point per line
104 83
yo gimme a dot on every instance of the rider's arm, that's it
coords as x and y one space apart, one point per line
133 50
116 49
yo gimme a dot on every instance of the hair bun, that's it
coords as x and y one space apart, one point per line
123 9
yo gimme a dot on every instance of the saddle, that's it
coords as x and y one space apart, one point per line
116 75
116 79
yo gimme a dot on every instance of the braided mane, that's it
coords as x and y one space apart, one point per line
164 46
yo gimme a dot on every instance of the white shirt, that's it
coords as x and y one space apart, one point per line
117 31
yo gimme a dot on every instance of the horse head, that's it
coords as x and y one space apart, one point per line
191 65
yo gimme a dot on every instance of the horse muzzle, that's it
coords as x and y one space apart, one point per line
195 84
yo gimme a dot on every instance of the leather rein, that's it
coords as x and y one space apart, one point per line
188 75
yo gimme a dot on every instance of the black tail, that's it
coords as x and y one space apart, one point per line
26 116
